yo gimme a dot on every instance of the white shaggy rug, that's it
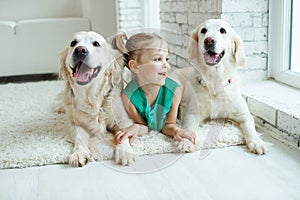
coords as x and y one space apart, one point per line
32 134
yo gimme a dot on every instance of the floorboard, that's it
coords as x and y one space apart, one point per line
228 173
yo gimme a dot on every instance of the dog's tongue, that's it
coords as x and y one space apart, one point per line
211 59
84 73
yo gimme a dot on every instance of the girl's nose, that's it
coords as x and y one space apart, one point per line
166 64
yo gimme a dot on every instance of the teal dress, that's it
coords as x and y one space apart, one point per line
154 116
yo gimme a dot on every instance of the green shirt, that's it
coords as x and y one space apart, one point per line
154 116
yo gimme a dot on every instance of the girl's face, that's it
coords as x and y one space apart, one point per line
153 66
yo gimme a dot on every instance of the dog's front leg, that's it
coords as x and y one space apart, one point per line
124 153
254 143
81 153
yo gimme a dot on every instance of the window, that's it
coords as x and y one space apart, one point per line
134 15
284 43
295 42
151 13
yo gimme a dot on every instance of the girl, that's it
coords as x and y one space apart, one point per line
151 98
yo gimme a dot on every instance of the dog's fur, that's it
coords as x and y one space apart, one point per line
215 51
92 95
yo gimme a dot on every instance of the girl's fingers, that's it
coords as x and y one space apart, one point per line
193 140
124 136
118 136
131 139
178 137
190 136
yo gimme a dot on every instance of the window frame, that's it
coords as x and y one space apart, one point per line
279 43
151 13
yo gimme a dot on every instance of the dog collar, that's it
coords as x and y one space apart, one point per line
202 82
229 81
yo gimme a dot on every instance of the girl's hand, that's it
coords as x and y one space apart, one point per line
185 133
130 132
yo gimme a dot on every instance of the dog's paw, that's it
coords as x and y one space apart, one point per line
257 145
186 146
124 153
80 157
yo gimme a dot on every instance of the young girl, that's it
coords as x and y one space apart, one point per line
151 98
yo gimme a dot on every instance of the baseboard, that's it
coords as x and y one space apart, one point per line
28 78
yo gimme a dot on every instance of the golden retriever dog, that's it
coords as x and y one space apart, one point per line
92 95
215 51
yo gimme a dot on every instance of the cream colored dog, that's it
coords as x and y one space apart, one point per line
92 95
215 51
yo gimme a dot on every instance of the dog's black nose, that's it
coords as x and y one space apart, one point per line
209 41
81 52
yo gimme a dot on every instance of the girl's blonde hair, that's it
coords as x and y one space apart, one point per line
133 47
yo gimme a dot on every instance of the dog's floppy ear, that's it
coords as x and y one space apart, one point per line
193 45
62 71
238 51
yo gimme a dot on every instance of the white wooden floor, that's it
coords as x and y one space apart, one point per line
229 173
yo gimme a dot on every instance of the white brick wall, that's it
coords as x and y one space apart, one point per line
276 114
244 5
249 19
290 123
130 14
263 110
181 17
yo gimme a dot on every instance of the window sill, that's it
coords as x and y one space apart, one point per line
276 109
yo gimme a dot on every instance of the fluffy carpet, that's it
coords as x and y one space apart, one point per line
32 134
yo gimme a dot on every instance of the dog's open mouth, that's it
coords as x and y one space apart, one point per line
212 58
84 74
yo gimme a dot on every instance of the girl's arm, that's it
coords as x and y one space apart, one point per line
170 128
132 111
139 126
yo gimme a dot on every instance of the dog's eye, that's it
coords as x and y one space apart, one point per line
96 44
203 31
223 31
73 43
